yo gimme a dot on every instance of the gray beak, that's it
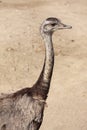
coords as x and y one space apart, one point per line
64 26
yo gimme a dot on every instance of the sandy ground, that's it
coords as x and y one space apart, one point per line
22 55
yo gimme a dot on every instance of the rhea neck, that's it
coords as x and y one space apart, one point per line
43 83
49 57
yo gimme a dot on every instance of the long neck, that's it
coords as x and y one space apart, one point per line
42 85
49 60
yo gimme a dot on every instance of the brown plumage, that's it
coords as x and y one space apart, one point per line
23 110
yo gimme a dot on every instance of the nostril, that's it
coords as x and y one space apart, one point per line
64 25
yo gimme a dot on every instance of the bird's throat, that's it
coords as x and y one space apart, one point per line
49 59
41 87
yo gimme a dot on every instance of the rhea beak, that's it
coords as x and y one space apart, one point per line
63 26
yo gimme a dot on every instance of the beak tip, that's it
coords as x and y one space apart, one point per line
68 26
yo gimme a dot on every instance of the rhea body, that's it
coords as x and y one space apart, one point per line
23 110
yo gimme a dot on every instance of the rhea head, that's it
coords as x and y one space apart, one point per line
52 24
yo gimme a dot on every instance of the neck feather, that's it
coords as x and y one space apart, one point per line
49 59
42 85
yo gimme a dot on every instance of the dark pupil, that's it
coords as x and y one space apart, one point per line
53 24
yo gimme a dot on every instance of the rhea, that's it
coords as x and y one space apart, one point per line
23 110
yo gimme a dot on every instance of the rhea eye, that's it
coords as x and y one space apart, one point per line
53 24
